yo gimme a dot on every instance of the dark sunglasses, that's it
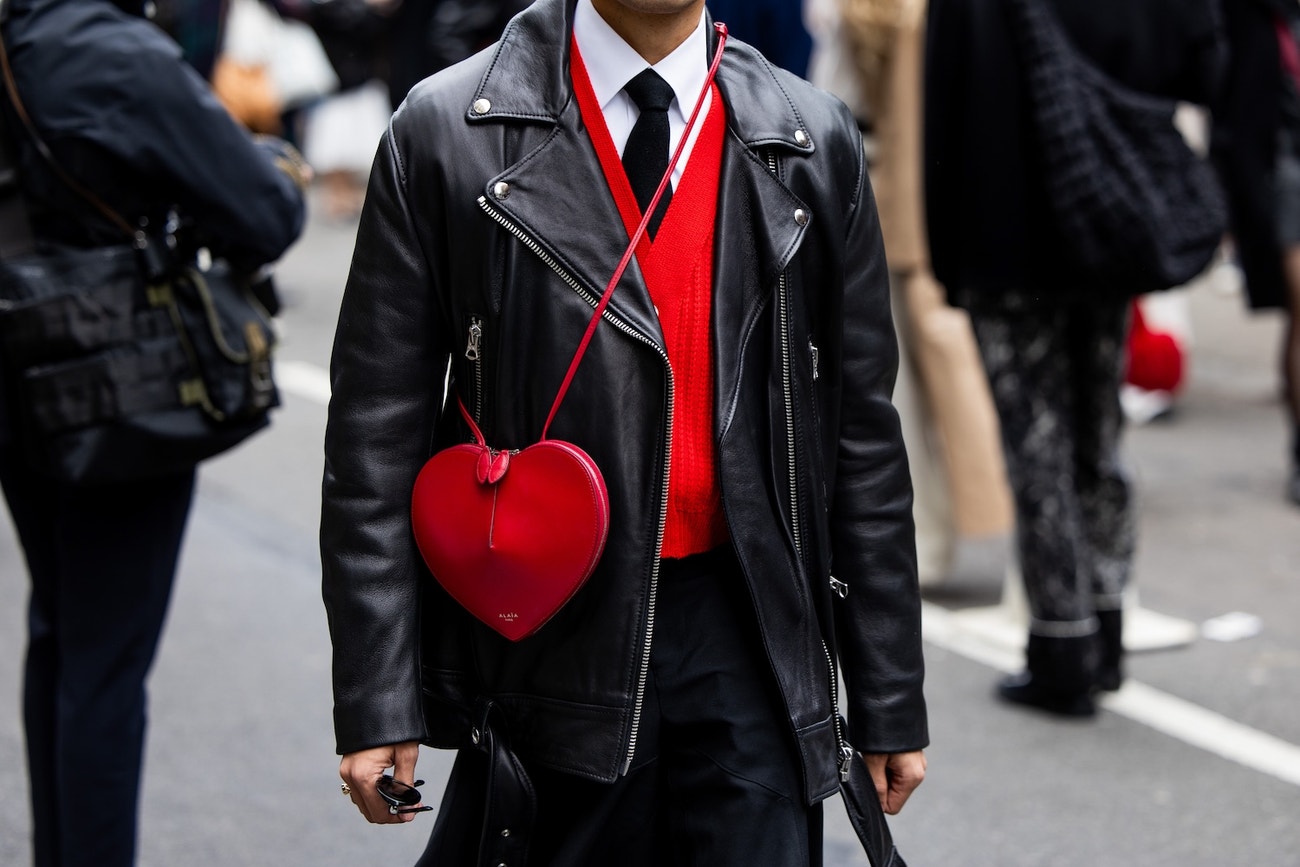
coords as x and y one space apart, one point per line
401 798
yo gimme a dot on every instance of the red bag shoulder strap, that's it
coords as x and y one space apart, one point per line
640 231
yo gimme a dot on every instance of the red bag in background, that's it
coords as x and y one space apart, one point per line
1155 358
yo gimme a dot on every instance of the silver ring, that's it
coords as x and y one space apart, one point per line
346 789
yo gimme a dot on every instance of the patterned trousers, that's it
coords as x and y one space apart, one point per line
1055 374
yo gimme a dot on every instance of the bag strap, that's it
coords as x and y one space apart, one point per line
721 30
137 236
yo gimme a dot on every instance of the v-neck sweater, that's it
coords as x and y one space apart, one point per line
678 270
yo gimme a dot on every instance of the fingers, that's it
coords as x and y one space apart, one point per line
895 776
404 759
876 765
905 772
361 771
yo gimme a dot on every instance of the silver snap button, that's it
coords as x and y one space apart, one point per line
501 189
505 832
801 216
801 138
481 106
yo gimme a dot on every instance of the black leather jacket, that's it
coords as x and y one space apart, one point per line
488 219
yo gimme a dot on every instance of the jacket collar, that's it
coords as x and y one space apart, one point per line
549 192
528 79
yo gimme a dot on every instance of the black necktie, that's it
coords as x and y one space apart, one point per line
645 157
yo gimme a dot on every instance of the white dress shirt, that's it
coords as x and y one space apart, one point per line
611 63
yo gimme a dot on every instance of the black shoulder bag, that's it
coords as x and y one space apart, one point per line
1137 208
124 362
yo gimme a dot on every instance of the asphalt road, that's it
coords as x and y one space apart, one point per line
1196 764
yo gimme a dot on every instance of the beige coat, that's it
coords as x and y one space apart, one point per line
887 38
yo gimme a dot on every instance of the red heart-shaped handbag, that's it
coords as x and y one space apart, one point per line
512 535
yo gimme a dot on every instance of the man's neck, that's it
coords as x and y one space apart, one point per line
653 27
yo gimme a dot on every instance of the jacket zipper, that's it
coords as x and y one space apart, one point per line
593 300
783 314
783 307
845 752
474 353
845 759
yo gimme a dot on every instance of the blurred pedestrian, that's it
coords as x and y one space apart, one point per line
1256 145
124 115
681 706
775 27
942 395
340 132
429 35
1052 339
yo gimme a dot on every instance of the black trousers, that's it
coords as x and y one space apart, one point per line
715 780
101 561
1055 374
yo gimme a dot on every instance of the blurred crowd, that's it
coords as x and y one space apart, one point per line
327 75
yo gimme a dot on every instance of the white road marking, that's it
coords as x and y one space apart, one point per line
304 380
1165 713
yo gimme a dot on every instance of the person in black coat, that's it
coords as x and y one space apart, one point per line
1256 146
125 115
1051 339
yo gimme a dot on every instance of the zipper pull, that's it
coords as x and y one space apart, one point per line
812 348
475 339
846 762
839 588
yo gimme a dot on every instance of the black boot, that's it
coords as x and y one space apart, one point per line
1058 677
1110 665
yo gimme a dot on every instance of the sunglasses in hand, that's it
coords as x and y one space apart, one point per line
400 797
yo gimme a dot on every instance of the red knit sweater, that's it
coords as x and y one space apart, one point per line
678 270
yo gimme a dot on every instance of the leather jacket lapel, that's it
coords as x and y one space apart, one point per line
558 196
755 238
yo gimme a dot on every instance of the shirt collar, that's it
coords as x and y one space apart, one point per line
612 63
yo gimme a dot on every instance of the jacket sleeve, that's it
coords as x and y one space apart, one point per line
872 534
130 118
387 374
242 199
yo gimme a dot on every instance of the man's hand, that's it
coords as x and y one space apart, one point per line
896 776
362 769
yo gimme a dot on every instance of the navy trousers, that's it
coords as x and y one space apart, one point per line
101 561
715 781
